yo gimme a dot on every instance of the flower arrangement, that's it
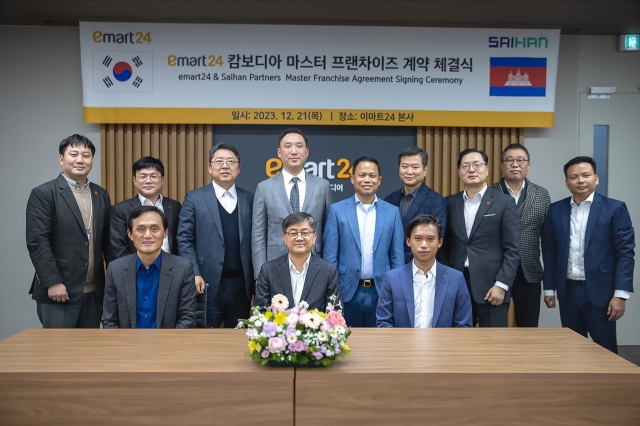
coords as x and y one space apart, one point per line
296 335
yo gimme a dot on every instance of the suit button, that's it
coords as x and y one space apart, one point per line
222 244
86 244
357 270
85 265
221 262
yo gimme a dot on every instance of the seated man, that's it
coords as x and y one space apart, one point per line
149 289
299 275
424 293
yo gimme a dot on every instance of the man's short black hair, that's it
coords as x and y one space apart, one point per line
228 147
293 130
148 162
364 160
515 146
423 219
414 150
75 140
577 160
298 217
139 211
471 151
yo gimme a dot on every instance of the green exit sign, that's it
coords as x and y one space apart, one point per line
629 42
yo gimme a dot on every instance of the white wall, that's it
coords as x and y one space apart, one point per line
41 103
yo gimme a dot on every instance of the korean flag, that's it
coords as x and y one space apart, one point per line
122 72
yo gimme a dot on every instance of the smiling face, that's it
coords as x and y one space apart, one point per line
293 152
148 182
148 233
472 177
514 171
424 243
76 162
224 168
366 180
299 245
581 181
412 172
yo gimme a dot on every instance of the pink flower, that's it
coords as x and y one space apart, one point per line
335 318
312 321
280 303
276 344
325 327
292 319
265 354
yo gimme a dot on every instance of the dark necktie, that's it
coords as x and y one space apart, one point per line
294 198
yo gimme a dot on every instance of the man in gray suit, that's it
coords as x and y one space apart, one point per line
149 289
299 274
214 233
293 190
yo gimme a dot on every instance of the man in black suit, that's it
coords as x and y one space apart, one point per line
299 274
215 234
148 177
66 221
483 240
532 203
416 198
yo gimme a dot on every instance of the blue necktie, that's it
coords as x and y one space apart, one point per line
294 198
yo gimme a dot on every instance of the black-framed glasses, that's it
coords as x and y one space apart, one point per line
476 166
518 161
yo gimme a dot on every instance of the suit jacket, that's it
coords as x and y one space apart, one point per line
493 246
320 283
201 240
57 240
120 244
270 207
427 201
176 294
534 213
341 242
396 305
608 249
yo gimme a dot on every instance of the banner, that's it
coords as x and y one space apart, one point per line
326 75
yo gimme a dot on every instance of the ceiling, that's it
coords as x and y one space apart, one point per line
572 17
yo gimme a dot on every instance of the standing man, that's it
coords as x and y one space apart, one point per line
588 256
66 221
424 293
149 289
215 234
483 240
148 177
293 190
532 203
416 198
363 238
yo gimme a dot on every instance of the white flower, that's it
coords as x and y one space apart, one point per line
280 302
322 336
333 334
340 329
298 332
329 352
313 321
279 329
258 323
292 338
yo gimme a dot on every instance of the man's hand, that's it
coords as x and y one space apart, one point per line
495 296
550 301
58 292
200 286
616 308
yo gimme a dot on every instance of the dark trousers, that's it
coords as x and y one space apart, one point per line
526 297
83 313
228 304
360 311
485 314
578 314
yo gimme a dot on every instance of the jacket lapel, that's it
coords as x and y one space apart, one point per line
406 283
594 212
285 277
529 198
352 219
485 204
242 209
442 282
381 218
212 203
70 199
312 272
311 184
130 276
566 221
421 197
458 208
278 184
164 287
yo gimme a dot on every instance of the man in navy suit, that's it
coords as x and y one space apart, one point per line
424 293
363 238
588 256
215 234
416 198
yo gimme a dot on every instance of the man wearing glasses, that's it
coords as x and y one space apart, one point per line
299 274
148 177
215 234
532 203
483 240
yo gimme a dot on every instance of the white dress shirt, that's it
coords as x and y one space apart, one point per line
424 296
297 279
288 184
471 207
515 196
577 231
367 226
228 198
147 202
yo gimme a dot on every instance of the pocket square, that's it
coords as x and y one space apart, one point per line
490 214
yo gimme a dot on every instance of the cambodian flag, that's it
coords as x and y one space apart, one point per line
518 76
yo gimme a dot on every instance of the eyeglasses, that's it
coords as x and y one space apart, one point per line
143 178
518 161
476 166
218 162
304 234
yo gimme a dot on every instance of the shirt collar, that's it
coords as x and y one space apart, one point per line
157 262
73 184
414 192
143 199
220 190
511 190
589 200
417 270
288 176
481 193
358 202
293 268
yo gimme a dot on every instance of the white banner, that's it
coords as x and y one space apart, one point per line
263 74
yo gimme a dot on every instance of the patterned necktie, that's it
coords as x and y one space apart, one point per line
294 198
